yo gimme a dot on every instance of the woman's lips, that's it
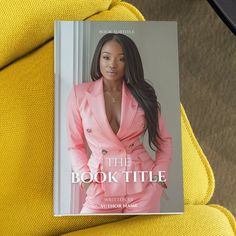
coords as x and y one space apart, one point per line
111 72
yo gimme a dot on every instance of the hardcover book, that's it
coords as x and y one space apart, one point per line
117 131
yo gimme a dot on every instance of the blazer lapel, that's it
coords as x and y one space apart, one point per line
95 98
96 101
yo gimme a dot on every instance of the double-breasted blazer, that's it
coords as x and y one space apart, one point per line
88 126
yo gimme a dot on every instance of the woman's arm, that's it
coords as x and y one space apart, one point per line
76 140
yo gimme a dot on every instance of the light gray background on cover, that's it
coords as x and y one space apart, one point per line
158 47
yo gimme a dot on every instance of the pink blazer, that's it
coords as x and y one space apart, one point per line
87 125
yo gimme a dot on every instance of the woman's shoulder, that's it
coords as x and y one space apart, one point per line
83 87
78 91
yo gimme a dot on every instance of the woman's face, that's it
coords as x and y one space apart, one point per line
112 61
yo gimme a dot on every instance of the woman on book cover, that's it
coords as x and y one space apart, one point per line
110 115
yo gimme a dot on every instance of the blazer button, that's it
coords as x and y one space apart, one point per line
104 152
89 130
131 145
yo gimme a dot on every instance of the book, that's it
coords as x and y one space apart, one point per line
117 131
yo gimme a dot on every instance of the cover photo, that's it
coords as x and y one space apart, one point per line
117 128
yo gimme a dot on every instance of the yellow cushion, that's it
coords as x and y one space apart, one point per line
197 220
26 119
199 182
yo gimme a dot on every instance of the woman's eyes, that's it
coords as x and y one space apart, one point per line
105 57
108 58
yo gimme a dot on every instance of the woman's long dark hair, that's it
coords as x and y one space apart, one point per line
143 92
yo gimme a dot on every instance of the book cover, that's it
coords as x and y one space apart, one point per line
117 131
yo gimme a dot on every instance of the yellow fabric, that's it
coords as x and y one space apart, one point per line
198 220
26 129
199 182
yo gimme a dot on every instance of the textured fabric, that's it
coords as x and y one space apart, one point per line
26 132
199 182
197 220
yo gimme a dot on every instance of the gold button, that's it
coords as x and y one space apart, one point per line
104 151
